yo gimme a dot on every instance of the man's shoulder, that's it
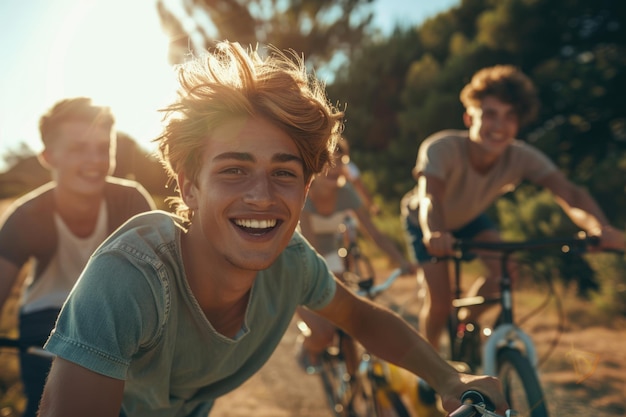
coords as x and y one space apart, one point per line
122 185
145 235
524 148
126 198
448 137
34 203
154 219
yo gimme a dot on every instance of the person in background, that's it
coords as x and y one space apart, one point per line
353 174
331 200
60 224
460 173
190 305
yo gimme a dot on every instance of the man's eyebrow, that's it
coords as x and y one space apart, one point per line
286 157
241 156
245 156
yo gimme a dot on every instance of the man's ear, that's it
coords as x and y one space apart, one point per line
188 190
467 119
45 159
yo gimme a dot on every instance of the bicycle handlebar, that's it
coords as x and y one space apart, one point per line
368 289
566 244
475 404
580 243
23 347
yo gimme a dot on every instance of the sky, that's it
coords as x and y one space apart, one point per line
50 50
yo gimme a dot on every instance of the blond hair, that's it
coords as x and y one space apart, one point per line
78 109
232 82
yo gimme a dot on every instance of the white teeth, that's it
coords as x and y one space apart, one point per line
256 224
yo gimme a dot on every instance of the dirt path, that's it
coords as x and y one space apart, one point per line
584 375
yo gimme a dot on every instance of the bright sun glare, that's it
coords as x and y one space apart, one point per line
115 52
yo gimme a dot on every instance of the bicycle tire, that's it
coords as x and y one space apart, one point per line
346 397
335 383
520 384
389 404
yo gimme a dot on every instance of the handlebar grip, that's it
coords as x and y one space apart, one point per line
468 398
475 397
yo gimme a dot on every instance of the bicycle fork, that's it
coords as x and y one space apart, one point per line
506 335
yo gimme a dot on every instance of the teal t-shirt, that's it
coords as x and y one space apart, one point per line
132 316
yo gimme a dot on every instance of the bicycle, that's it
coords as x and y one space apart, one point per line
508 352
474 404
356 383
11 394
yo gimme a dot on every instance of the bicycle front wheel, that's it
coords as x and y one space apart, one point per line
389 404
520 383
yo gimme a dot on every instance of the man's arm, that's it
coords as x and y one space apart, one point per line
437 239
74 391
388 336
583 210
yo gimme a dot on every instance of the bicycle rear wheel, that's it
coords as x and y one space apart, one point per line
520 384
336 383
347 395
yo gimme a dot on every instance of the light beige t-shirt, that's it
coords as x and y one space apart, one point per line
468 193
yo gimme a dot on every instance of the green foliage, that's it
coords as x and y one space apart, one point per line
321 29
532 214
611 296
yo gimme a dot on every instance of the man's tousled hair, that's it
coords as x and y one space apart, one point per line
509 85
78 109
232 83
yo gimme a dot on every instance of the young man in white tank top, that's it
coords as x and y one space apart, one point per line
61 223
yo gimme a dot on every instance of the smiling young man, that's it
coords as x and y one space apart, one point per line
61 223
460 174
174 311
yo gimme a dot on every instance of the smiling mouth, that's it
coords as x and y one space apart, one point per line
255 226
92 175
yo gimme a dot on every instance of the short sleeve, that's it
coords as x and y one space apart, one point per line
437 154
109 316
535 164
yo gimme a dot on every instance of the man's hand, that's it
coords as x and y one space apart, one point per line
488 386
611 238
439 243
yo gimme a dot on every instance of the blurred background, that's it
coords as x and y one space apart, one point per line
398 66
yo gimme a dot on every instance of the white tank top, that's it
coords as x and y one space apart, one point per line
54 285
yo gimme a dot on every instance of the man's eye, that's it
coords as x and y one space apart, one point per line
232 171
285 173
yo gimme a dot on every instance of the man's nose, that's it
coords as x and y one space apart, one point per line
260 191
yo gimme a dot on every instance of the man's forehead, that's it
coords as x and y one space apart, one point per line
84 131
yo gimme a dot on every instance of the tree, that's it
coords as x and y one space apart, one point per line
320 29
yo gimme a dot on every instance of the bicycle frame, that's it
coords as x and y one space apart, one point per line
508 353
506 332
